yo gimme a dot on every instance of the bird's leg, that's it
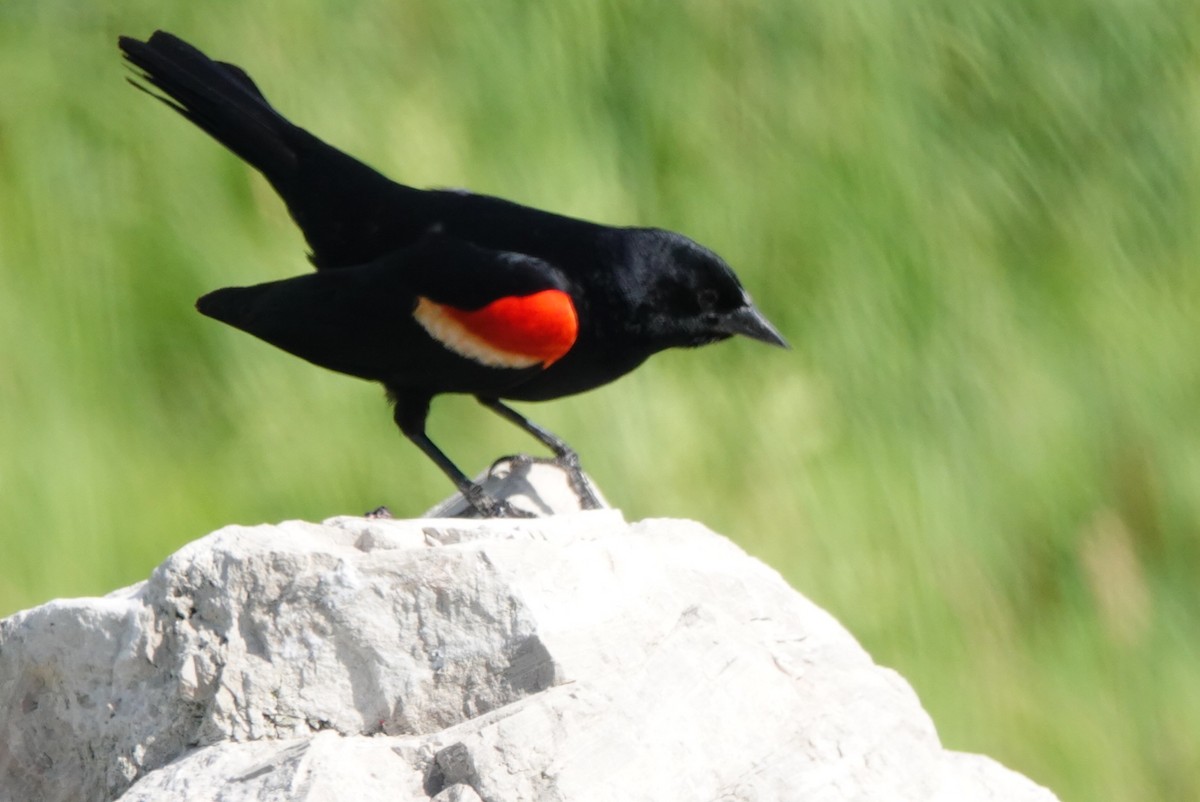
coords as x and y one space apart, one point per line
410 417
475 495
564 456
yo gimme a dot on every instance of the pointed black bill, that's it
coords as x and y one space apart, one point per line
749 322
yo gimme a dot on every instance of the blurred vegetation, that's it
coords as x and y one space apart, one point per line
975 220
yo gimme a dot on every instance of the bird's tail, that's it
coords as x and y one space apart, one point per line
220 98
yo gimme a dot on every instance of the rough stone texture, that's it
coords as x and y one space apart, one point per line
568 658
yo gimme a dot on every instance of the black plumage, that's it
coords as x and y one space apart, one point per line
446 291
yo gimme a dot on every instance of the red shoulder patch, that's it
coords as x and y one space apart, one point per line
511 332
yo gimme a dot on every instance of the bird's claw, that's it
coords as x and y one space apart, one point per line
511 462
489 507
568 461
379 513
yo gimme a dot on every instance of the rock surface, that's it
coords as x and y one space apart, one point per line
576 657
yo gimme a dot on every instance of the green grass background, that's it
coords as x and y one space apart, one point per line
976 220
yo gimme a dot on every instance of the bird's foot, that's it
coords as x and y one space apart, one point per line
489 507
379 512
511 463
568 461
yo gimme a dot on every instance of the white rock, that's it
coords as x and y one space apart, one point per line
567 658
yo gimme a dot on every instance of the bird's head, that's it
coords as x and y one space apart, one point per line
692 297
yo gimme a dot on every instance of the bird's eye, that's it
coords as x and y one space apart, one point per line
708 299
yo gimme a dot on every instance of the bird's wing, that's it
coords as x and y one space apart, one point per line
498 308
444 313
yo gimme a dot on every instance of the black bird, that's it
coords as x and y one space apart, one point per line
445 291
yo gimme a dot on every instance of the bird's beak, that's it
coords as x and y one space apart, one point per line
749 322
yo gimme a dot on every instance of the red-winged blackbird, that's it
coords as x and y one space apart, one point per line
445 291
